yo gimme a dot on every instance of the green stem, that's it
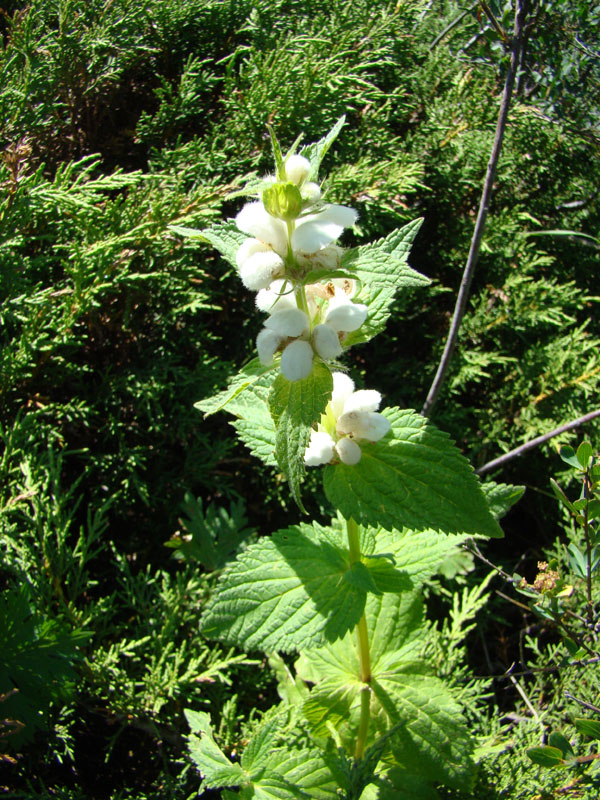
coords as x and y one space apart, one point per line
364 656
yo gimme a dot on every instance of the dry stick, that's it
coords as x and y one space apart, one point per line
518 451
463 293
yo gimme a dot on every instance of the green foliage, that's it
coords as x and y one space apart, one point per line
412 477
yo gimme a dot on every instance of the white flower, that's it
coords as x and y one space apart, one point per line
315 231
319 450
267 344
311 192
255 220
344 315
280 294
259 270
288 322
350 417
297 360
326 342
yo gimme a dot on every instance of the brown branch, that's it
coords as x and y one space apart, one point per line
463 292
518 451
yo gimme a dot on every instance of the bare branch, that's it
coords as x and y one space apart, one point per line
463 292
518 451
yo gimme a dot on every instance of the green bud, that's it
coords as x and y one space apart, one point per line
283 200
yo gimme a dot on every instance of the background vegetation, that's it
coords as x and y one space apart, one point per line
118 119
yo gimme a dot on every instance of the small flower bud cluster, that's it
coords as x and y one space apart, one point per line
350 418
292 233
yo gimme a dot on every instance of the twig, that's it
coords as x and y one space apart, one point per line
589 706
528 703
518 451
451 26
463 293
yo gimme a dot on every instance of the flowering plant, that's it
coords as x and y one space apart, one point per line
359 714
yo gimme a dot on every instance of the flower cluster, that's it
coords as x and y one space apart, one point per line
291 233
350 417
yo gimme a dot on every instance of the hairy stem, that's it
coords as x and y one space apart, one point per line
463 292
364 656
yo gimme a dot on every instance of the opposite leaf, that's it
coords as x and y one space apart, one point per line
414 477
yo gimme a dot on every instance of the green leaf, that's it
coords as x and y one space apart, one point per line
214 766
277 156
562 497
432 740
589 727
556 739
295 406
360 576
382 269
567 455
316 152
224 237
285 593
245 378
304 769
584 454
501 497
546 756
413 477
254 423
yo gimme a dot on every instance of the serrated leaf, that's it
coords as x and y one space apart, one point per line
224 237
413 477
589 727
214 766
382 269
501 497
398 785
295 406
316 152
545 756
285 593
360 576
245 378
305 769
254 423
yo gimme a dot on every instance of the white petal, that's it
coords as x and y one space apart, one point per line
315 231
297 360
346 285
363 425
248 248
326 342
267 343
288 322
319 450
258 271
278 296
344 315
343 386
363 400
327 258
254 220
348 451
296 169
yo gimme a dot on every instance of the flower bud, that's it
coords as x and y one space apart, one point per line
319 450
283 200
296 169
326 342
348 451
311 192
297 360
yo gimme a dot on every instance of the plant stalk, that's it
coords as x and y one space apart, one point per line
364 655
